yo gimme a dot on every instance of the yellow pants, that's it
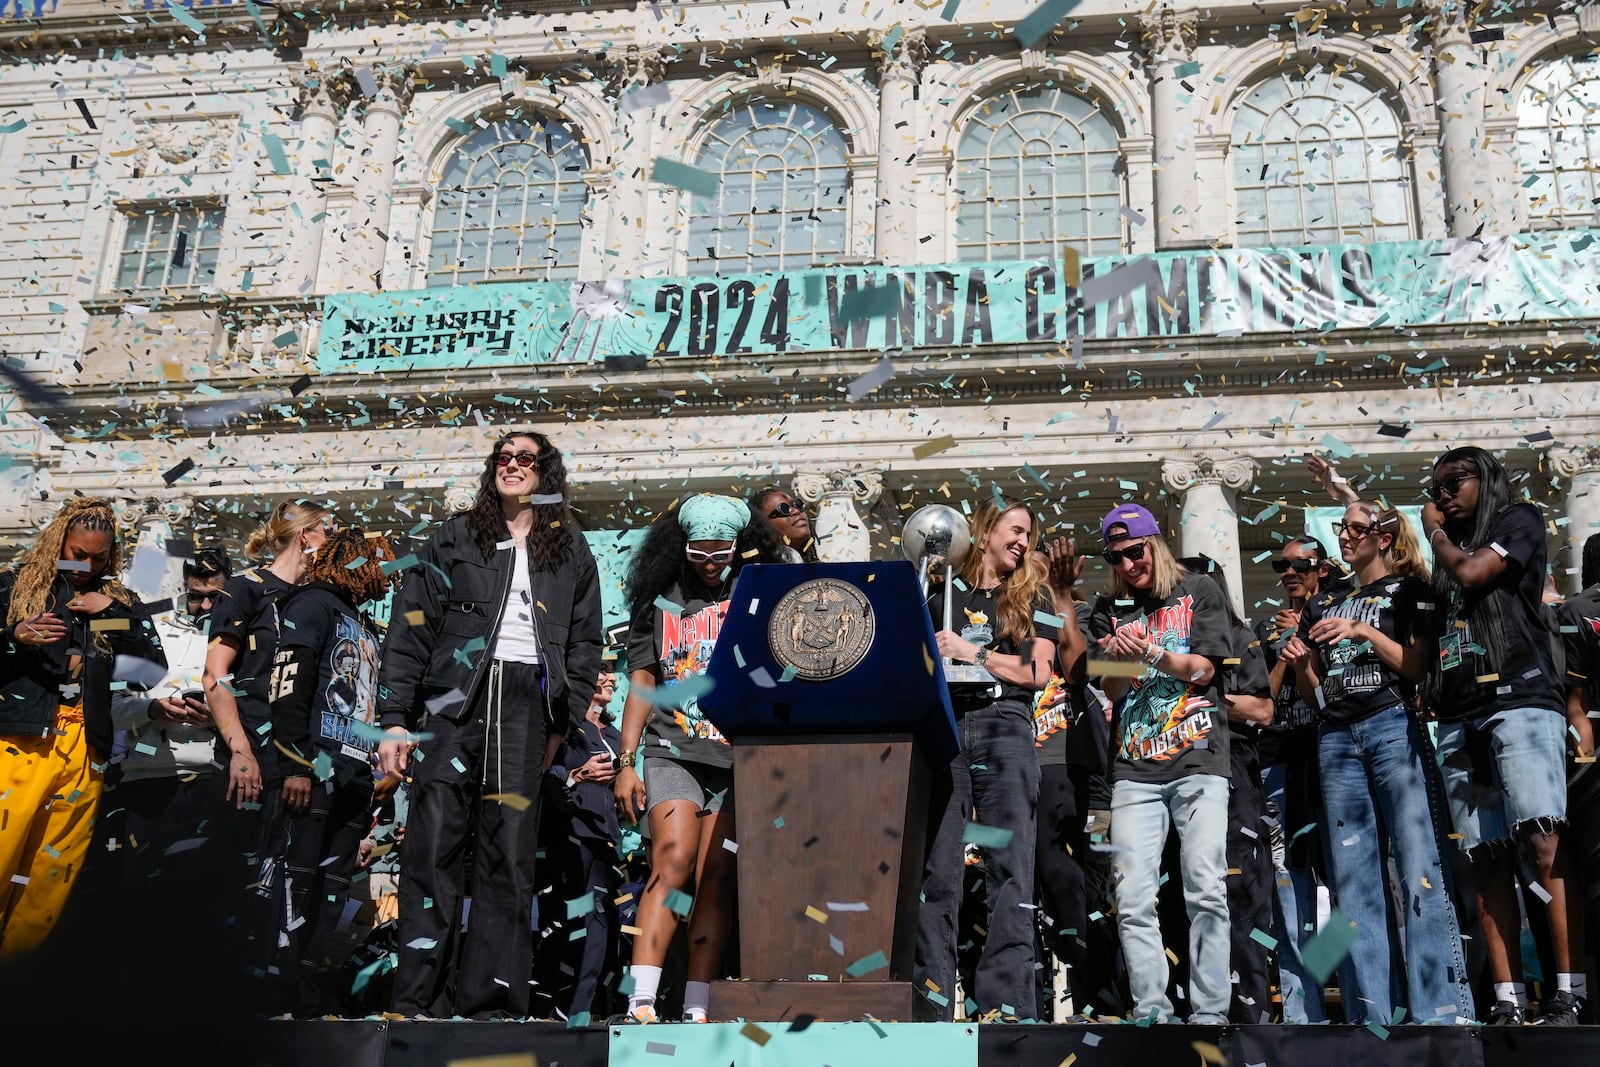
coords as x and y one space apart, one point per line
49 794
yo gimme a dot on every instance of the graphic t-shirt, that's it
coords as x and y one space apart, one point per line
976 617
1167 728
1356 684
245 616
1477 680
343 650
677 634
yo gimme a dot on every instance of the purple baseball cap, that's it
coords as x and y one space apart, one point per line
1137 519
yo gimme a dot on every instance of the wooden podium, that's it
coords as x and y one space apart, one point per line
827 681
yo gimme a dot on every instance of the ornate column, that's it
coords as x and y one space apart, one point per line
324 96
839 499
1579 469
1209 524
1169 38
900 64
633 77
368 237
1460 86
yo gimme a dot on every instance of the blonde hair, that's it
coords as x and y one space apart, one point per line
1404 556
1017 592
37 573
1164 570
287 521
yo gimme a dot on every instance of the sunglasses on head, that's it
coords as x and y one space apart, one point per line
1301 566
694 555
1450 486
522 459
1134 552
784 510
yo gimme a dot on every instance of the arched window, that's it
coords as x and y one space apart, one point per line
782 185
1318 160
509 205
1558 139
1037 168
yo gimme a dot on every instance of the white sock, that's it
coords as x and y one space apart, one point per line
1515 992
646 980
1576 984
696 1000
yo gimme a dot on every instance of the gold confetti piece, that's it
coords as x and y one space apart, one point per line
934 447
416 618
623 899
1072 1057
1111 668
632 931
1209 1053
99 625
511 800
755 1033
1173 956
1072 267
510 1059
816 914
1425 883
1485 679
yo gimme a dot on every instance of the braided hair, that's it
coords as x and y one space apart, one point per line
351 561
37 573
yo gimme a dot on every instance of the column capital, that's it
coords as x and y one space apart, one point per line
325 90
459 498
634 66
904 57
1569 461
1169 35
393 84
863 487
1182 473
1449 21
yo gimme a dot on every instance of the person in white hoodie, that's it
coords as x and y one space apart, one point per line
170 792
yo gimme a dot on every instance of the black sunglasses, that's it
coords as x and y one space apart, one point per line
199 598
784 510
1356 530
1449 486
523 459
1302 566
1115 556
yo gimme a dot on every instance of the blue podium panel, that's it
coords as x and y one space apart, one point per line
830 649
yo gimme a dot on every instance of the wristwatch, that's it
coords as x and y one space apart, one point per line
981 657
628 758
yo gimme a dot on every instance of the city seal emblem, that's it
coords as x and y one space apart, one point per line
822 629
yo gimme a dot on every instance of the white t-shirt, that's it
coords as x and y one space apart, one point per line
517 640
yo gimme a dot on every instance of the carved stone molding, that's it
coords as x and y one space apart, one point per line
459 498
326 90
863 487
905 58
1568 462
1169 35
391 86
1449 22
1182 473
634 66
185 145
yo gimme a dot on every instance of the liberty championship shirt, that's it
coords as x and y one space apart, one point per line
1356 683
677 634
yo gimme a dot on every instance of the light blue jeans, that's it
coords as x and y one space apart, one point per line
1380 782
1140 813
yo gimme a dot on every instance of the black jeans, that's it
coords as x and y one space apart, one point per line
1250 891
996 772
477 961
324 846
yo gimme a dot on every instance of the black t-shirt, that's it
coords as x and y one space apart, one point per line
1356 683
245 615
1578 623
1167 728
679 642
323 633
976 618
1476 680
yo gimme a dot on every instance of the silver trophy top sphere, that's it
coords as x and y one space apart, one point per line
937 531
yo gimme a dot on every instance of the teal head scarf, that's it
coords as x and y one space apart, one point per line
708 517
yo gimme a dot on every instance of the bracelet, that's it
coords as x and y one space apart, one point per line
1152 655
628 758
1435 533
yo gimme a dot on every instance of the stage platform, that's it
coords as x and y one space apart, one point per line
384 1043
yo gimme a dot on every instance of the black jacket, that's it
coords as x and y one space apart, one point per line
32 677
443 624
591 806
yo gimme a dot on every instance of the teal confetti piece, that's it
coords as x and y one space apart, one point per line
949 12
867 964
1324 952
682 176
1044 618
678 902
679 693
738 657
187 19
1186 70
892 38
668 606
787 675
497 64
579 906
987 836
398 564
1038 24
275 153
455 761
322 766
1337 447
1266 941
14 127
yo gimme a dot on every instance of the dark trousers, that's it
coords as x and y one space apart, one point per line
255 840
596 871
1073 881
996 772
1250 890
324 842
477 961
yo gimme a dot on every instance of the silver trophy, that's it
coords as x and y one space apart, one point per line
938 535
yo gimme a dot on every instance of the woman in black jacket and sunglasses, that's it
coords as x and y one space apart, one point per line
496 635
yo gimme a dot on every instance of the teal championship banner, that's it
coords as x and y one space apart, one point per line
1223 293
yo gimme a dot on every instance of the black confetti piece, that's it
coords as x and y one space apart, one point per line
171 476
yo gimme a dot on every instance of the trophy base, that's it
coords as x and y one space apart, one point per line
968 674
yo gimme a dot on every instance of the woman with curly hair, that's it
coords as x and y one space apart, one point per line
324 710
678 590
67 619
495 635
779 509
1000 603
